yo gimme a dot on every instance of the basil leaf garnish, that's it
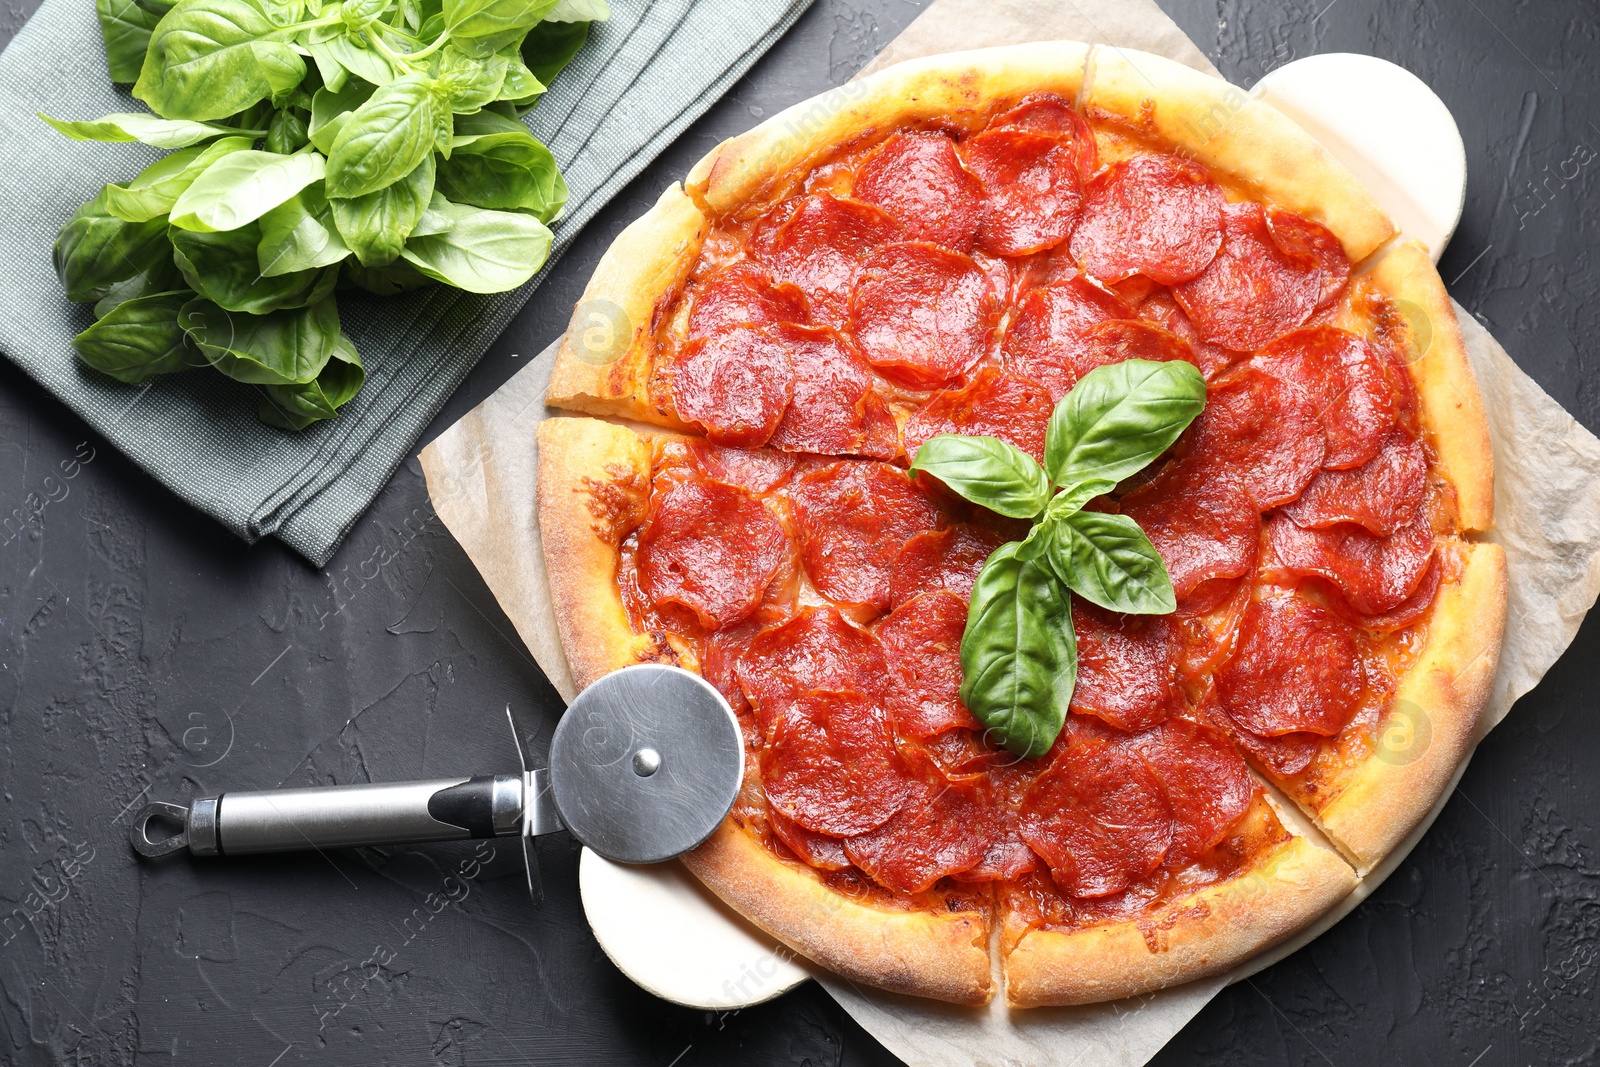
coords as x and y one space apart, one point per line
1107 560
1018 653
1119 418
987 471
1019 658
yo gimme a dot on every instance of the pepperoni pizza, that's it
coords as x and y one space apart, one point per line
948 247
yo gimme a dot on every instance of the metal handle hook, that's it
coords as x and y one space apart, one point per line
139 832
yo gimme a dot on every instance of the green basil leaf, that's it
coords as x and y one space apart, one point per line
294 407
352 54
280 348
123 127
550 46
208 59
398 277
299 235
579 11
467 81
224 268
125 28
1107 560
987 471
385 138
282 67
436 219
508 171
1120 417
467 19
330 110
137 339
1019 657
519 86
156 7
243 186
376 226
160 277
95 250
288 132
159 185
483 251
1075 497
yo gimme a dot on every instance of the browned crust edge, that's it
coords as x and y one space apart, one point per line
603 366
1223 127
954 89
1429 342
579 460
940 955
1204 933
1433 718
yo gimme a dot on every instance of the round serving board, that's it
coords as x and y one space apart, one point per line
671 935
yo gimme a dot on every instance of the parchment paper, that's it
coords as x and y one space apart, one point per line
481 479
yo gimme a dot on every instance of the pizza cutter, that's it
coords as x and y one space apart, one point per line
643 767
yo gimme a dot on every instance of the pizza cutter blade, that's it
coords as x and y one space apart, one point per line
643 767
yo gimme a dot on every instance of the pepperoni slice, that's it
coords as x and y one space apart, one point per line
1349 384
854 518
1161 309
1312 241
1375 574
835 408
1151 215
1286 756
1031 196
759 471
1123 339
939 832
736 383
1253 290
917 179
1411 608
815 650
720 659
922 315
1097 816
711 548
1051 114
1296 669
1007 855
993 404
742 294
1127 667
922 647
1208 786
1051 331
1261 432
830 764
1382 495
1203 526
819 850
819 246
949 559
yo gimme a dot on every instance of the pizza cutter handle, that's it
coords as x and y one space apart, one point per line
347 816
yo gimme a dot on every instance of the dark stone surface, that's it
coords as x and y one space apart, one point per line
145 652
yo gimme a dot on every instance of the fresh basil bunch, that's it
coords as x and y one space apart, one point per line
317 145
1019 656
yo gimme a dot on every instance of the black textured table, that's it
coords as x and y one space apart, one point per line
146 653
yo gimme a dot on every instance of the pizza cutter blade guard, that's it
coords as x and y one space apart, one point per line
643 767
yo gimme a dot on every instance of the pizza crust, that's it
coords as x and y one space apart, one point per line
1202 933
594 479
956 89
1426 336
1443 694
603 366
1222 127
940 955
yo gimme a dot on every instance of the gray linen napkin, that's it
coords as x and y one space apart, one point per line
642 78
